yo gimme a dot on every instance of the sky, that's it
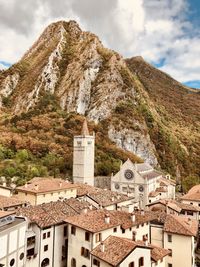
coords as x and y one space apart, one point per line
166 33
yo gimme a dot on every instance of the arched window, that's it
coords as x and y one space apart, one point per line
73 262
141 261
45 262
84 266
131 264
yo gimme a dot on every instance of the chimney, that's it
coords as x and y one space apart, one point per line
85 210
112 199
132 217
134 235
36 187
142 212
107 218
26 185
4 184
102 247
118 197
60 184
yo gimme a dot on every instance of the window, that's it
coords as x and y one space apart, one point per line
85 252
170 254
12 262
169 238
131 264
169 265
44 235
123 231
45 247
190 213
79 143
73 262
65 231
30 252
115 230
141 261
21 256
45 262
48 234
98 237
73 230
87 236
96 262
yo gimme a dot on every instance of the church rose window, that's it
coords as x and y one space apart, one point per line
129 174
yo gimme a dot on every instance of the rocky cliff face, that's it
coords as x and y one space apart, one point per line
85 78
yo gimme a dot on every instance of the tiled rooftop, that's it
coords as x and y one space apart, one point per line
94 221
103 197
175 205
116 249
42 185
193 194
52 213
151 175
5 213
143 167
8 202
181 225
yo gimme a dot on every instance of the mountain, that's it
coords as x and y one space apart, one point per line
68 74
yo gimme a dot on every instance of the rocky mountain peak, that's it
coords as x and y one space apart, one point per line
133 99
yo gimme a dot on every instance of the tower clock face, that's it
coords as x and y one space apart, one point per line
128 174
141 188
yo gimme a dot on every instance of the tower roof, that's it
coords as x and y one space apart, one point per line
85 130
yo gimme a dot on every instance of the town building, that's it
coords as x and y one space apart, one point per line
88 230
107 199
143 182
47 233
44 190
5 190
175 207
177 234
83 157
11 203
192 197
12 240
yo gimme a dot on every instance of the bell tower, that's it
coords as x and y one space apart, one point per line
83 157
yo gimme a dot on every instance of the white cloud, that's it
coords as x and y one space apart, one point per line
153 29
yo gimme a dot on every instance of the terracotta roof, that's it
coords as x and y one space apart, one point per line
52 213
175 205
161 189
5 213
103 197
116 249
42 185
143 167
157 253
8 202
165 182
151 175
153 194
181 225
94 221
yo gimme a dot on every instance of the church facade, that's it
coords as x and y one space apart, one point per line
142 182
